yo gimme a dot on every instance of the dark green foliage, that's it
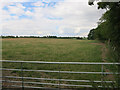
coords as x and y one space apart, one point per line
109 29
109 25
91 35
80 38
50 36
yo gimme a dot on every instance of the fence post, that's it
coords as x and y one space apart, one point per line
102 70
118 76
59 76
22 76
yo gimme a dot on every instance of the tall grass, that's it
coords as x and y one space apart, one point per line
113 56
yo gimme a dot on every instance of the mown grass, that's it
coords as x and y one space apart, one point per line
57 50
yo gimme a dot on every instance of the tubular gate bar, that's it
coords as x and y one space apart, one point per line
68 80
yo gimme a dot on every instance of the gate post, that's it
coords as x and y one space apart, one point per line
102 70
22 76
59 76
118 76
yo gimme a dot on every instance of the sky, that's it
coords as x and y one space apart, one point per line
48 17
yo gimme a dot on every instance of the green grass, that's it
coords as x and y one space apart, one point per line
57 50
51 50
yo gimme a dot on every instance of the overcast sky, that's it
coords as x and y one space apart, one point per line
48 17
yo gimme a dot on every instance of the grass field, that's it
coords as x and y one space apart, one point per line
57 50
51 50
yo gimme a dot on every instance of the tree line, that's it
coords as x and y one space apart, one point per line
108 28
81 38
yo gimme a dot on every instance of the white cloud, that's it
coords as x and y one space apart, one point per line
20 6
16 0
39 32
61 32
2 4
5 15
77 30
38 13
18 9
84 34
39 3
61 29
77 16
29 13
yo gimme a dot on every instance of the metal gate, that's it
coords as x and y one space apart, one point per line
23 79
